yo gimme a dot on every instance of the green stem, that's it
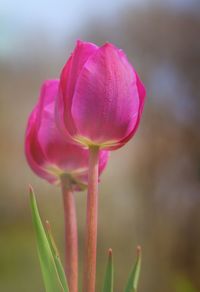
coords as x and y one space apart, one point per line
89 273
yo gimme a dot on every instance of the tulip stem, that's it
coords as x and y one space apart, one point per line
71 235
89 273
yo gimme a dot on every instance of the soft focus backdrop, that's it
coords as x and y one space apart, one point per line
150 192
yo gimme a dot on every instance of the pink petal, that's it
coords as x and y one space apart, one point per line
33 151
103 160
142 95
57 148
105 102
68 81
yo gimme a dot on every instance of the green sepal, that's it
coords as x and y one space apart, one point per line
133 279
108 280
50 274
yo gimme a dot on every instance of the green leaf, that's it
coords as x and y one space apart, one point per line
56 256
49 271
133 279
108 280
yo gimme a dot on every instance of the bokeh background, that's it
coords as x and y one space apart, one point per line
150 191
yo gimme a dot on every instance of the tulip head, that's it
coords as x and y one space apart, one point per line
49 154
100 98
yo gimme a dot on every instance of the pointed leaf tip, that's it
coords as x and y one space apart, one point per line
48 226
108 280
110 252
31 191
133 279
139 250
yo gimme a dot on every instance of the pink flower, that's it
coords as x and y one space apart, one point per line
48 153
101 97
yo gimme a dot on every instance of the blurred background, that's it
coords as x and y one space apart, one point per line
150 191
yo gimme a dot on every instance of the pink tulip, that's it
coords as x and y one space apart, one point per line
49 154
101 97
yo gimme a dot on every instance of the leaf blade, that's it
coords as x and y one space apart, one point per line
108 280
50 276
56 256
133 279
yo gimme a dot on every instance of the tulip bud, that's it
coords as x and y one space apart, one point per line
49 154
101 97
